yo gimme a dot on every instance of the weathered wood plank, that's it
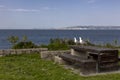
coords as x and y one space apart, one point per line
96 50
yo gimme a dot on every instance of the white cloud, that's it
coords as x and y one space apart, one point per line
47 8
24 10
91 1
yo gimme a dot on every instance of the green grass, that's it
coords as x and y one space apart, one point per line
31 67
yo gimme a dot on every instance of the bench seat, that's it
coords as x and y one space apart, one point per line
75 59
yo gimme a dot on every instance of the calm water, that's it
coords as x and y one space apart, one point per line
43 36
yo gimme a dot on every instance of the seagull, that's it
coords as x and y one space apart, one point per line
75 40
80 40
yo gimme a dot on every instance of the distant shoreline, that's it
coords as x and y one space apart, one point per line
92 28
75 28
60 29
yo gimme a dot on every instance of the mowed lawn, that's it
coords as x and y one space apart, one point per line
31 67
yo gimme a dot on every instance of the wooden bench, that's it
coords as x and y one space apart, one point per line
102 59
86 66
74 59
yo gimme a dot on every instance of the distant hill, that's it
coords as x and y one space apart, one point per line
92 28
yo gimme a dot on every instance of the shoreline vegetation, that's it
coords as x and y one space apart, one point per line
54 44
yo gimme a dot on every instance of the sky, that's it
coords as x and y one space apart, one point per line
47 14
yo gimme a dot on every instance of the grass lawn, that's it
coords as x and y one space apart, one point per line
31 67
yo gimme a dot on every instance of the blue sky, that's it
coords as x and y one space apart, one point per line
30 14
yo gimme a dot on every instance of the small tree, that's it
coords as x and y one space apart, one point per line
24 45
24 38
115 42
13 39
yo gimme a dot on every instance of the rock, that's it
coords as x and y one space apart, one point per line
59 60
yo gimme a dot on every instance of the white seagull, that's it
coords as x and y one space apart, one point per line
75 40
80 40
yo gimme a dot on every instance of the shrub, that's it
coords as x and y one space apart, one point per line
22 45
13 39
58 44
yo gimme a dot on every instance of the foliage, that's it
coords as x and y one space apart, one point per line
88 43
106 45
70 42
23 45
43 46
62 41
24 38
55 44
13 39
59 44
31 67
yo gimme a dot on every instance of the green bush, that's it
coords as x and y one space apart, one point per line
58 44
13 39
22 45
88 43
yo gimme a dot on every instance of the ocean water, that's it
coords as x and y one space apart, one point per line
43 36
